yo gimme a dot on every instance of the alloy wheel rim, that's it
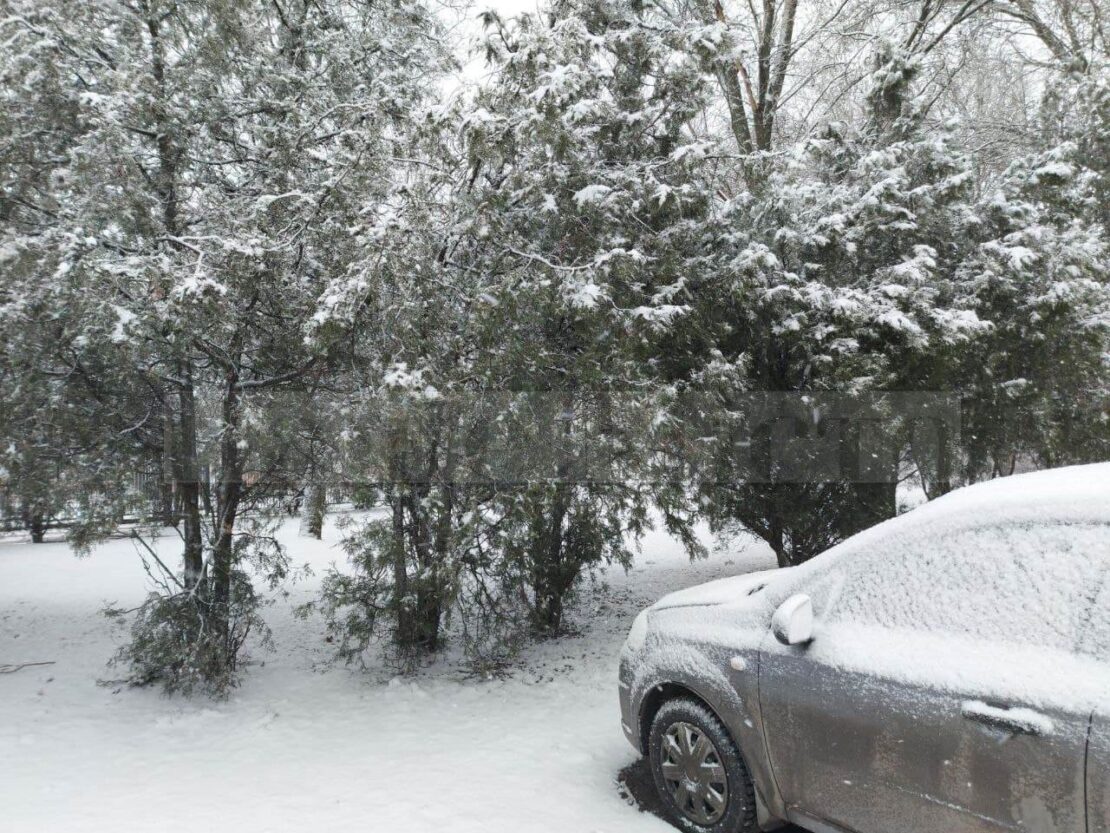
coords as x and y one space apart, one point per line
694 774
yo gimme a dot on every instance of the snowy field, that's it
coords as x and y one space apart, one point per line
304 745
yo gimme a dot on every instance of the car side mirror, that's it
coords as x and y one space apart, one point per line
792 623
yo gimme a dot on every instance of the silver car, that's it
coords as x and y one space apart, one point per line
947 671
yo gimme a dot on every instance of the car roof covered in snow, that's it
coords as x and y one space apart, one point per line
1072 494
1054 494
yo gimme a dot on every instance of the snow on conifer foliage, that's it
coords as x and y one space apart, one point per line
836 274
1038 273
568 243
257 257
849 270
208 163
585 174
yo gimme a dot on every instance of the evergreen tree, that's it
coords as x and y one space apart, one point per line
586 184
218 155
1036 387
836 278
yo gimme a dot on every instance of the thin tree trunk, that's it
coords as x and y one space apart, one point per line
556 573
944 461
401 603
422 632
36 524
553 585
315 506
188 482
187 472
776 537
167 490
227 505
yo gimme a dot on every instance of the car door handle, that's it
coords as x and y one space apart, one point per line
1016 720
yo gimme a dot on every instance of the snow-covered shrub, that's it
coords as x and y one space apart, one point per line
185 642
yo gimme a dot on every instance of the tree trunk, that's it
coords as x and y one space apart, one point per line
184 440
428 614
400 562
401 603
227 506
36 524
315 506
418 620
552 576
188 482
944 461
169 499
776 537
407 604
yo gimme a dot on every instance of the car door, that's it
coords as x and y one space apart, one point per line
1096 644
1098 775
939 693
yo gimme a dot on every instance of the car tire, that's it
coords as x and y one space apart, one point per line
692 803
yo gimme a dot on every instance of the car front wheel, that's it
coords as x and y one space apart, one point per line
698 770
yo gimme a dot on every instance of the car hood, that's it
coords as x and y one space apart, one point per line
722 591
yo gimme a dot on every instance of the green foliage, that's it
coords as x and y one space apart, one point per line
836 277
354 604
185 643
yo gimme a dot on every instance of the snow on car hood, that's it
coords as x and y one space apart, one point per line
719 592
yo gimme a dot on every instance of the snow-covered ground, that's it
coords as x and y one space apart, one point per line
304 745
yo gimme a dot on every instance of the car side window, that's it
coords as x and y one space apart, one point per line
1095 637
1031 584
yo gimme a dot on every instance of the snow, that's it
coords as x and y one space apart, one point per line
400 377
1074 494
793 620
123 318
591 194
999 590
304 745
1021 583
721 591
583 293
1031 721
996 591
1009 673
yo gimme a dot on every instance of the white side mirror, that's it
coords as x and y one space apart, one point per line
792 623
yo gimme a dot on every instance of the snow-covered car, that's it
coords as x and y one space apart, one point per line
947 671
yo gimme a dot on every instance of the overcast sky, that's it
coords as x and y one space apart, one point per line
468 28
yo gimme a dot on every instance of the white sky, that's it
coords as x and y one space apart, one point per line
468 29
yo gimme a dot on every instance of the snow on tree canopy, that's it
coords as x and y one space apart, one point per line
591 194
